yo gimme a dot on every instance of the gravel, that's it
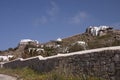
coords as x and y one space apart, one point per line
6 77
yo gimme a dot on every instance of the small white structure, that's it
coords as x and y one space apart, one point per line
36 49
10 56
96 30
59 39
58 46
82 43
5 58
26 41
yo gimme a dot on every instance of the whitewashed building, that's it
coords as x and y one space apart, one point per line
5 58
96 31
27 41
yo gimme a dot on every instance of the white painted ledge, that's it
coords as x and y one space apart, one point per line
70 54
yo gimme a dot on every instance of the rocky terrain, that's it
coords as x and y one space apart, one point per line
6 77
82 55
94 37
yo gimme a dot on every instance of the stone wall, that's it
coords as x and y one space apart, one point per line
101 63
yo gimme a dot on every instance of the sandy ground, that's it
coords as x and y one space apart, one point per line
6 77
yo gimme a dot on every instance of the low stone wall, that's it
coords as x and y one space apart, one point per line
101 63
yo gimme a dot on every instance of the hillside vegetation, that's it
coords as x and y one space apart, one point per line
67 45
29 74
79 42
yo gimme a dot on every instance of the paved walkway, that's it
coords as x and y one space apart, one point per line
6 77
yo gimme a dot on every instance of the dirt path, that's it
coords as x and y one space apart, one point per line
6 77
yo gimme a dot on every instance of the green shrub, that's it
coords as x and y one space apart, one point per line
75 48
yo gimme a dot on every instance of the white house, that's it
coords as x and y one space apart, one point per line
59 39
5 58
95 31
26 41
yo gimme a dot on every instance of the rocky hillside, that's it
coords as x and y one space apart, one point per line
112 38
94 37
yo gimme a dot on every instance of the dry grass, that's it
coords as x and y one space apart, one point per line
29 74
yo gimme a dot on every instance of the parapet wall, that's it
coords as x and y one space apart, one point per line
102 63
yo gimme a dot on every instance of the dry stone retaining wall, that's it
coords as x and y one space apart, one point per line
102 63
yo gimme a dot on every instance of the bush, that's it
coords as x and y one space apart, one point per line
75 48
49 51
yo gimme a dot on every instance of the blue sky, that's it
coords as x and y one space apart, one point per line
46 20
